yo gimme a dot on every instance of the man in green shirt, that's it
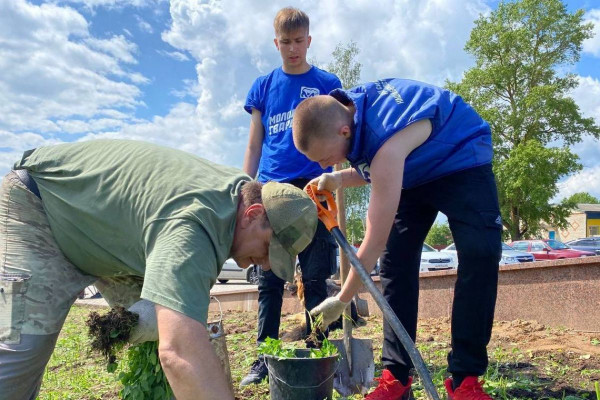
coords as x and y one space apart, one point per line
119 212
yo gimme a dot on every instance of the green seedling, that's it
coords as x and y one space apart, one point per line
275 348
144 377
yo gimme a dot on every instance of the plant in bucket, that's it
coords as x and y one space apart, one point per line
300 374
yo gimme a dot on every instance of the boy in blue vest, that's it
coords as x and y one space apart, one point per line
271 154
424 142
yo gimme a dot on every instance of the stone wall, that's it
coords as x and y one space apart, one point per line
557 293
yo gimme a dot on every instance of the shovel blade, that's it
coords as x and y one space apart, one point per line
355 378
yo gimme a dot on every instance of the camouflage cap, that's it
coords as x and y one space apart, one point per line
293 218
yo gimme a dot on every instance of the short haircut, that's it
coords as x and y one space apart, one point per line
251 193
317 117
290 19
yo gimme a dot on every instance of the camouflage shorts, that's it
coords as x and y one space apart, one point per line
38 284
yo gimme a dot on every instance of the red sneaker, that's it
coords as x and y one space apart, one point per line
469 389
390 388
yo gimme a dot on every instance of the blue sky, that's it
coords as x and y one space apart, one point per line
177 72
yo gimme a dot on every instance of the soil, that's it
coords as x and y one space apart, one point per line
110 331
527 360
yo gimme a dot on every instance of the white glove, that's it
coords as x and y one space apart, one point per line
331 308
146 329
328 181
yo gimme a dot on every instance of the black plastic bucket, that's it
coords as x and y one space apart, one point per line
301 378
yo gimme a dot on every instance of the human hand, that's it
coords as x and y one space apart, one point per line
331 308
330 181
146 329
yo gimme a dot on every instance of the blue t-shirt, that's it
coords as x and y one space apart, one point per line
459 139
276 96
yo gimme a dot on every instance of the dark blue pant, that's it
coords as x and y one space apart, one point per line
470 201
317 262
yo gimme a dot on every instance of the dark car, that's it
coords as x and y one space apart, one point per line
549 249
586 244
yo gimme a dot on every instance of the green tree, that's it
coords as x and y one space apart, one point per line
439 235
519 85
583 197
345 66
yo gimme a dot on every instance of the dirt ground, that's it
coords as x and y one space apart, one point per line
527 360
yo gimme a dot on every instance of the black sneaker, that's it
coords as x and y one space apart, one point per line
258 372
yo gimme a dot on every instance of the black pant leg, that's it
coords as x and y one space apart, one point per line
470 201
399 275
317 262
270 299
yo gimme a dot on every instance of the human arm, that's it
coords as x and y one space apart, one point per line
188 359
254 147
181 267
387 170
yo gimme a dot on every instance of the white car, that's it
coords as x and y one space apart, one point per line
433 260
232 271
509 255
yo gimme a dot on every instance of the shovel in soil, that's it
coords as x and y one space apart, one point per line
357 367
327 216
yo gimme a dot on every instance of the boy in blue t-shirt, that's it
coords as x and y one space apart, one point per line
424 142
272 156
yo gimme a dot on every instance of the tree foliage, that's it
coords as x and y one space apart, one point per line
345 66
583 198
519 85
439 235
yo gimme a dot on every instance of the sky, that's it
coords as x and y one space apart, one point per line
177 72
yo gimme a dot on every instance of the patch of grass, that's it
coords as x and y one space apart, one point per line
519 369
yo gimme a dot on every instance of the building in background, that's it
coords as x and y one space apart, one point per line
584 221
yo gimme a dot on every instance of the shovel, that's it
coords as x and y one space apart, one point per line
327 216
357 367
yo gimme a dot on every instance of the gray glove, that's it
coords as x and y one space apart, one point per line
147 328
331 308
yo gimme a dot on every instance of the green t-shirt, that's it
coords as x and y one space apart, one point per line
121 207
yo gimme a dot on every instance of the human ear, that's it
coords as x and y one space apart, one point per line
276 43
309 39
254 211
345 131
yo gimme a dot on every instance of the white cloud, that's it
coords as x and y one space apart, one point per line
143 25
592 45
114 4
117 46
587 180
53 69
587 96
184 128
176 55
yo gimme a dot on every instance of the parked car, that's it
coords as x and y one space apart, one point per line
232 271
509 255
549 249
587 244
433 260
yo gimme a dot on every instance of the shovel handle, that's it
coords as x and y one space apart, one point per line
326 214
